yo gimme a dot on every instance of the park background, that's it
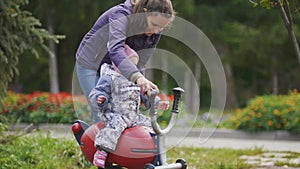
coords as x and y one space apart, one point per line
251 38
252 42
255 45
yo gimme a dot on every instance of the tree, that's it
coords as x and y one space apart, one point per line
286 15
72 18
19 31
253 45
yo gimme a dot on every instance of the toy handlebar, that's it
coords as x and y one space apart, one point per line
154 92
177 95
153 113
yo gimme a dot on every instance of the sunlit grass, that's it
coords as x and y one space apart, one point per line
211 158
42 151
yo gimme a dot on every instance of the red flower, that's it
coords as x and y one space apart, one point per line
21 103
36 93
56 97
171 98
29 97
163 97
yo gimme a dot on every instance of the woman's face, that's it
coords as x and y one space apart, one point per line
156 23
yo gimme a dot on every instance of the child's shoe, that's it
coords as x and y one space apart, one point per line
100 158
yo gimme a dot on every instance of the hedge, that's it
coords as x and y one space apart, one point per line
43 107
269 113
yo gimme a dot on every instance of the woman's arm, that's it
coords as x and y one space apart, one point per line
116 43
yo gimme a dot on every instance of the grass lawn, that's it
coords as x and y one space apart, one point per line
40 152
46 152
212 158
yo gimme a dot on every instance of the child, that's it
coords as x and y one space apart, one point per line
119 100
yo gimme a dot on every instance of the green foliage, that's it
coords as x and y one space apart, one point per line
33 68
185 7
40 152
246 38
268 4
267 113
44 108
72 18
250 46
19 31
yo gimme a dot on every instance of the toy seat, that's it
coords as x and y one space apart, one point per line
135 147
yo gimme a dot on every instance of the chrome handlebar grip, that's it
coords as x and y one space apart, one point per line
153 113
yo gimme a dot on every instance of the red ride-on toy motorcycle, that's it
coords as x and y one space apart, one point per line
136 148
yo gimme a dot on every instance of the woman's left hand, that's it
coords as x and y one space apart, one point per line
146 85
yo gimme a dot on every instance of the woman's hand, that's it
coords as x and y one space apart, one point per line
146 85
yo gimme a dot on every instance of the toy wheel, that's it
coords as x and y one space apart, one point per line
182 162
111 166
149 166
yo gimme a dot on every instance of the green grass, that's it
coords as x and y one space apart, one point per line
199 158
292 155
43 152
40 152
278 163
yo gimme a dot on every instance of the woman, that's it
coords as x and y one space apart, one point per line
137 23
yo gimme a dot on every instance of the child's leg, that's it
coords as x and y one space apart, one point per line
142 120
100 158
108 137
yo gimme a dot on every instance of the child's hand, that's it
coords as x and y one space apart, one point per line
163 105
101 99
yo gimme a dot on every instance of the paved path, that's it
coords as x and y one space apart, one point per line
210 138
277 145
271 145
214 142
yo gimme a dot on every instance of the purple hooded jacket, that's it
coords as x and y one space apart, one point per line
105 42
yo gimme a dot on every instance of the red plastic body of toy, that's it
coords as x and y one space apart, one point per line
135 147
76 128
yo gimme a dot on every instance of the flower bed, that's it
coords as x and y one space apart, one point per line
266 113
44 107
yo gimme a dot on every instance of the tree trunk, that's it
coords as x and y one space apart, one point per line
274 73
54 84
192 89
197 73
288 21
231 101
164 75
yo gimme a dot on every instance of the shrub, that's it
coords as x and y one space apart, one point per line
43 107
266 113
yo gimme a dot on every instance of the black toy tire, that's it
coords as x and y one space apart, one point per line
182 162
111 166
149 166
